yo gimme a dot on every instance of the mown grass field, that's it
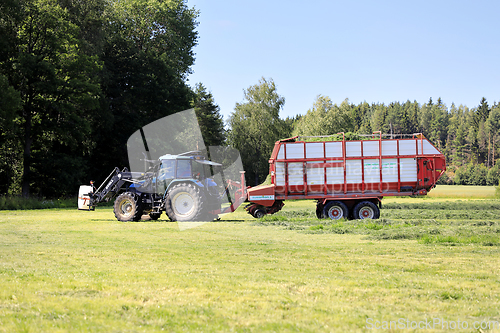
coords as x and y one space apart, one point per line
465 192
63 270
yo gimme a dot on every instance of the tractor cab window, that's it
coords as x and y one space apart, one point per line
167 169
165 175
184 169
198 172
208 171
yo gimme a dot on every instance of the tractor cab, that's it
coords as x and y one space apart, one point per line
191 167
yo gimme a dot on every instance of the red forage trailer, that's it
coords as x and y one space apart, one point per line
348 179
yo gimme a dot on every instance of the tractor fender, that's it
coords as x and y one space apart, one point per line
193 181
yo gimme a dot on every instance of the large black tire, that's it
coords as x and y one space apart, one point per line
128 207
319 211
259 213
185 202
335 210
366 210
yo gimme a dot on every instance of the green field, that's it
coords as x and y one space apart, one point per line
433 259
462 191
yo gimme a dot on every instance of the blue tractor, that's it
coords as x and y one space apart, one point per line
181 185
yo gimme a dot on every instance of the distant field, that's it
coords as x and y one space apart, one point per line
64 270
463 191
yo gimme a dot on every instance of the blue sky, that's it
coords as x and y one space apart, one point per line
374 51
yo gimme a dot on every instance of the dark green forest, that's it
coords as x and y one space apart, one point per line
77 78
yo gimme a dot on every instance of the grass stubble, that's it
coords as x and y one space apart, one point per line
67 270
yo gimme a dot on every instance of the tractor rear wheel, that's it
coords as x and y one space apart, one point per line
185 202
127 207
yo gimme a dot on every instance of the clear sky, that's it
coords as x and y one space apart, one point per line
374 51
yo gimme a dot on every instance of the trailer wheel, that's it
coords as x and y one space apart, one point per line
366 210
319 211
127 207
184 202
259 213
336 210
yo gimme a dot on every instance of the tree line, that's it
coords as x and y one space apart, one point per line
468 137
77 78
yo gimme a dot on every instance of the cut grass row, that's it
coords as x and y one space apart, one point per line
454 222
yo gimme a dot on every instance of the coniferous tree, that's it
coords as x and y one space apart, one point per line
425 118
438 124
482 142
378 119
209 117
493 128
481 114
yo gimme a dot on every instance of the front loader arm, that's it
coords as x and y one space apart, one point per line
110 186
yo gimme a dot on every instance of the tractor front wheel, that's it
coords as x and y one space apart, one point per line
185 202
127 207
